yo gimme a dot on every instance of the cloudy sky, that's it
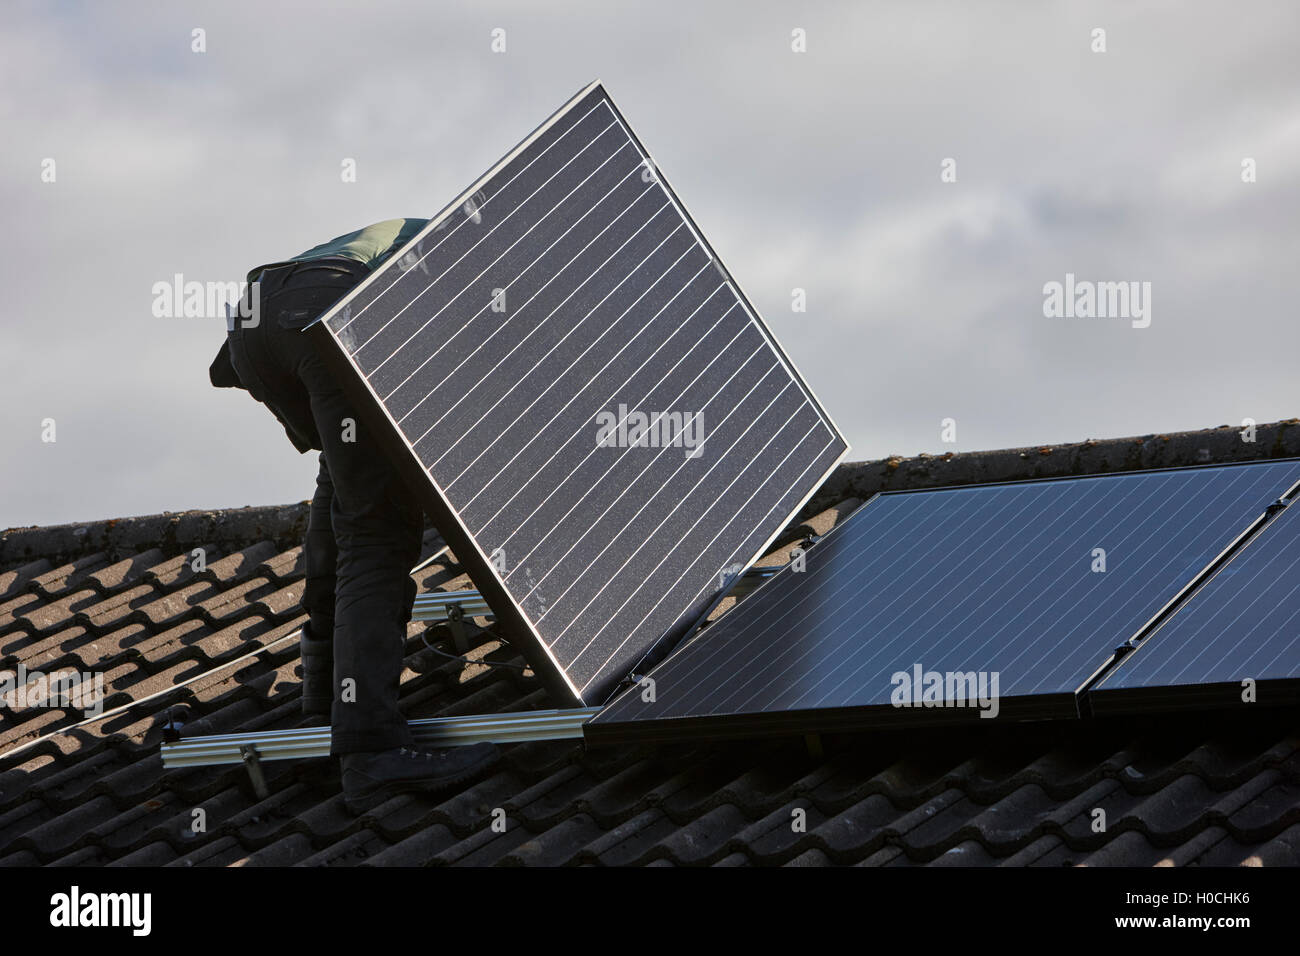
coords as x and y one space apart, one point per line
818 170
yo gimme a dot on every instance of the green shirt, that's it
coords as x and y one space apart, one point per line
369 246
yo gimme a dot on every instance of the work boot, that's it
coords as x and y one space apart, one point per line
317 672
371 778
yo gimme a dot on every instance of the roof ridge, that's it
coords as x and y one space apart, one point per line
171 531
177 531
1223 444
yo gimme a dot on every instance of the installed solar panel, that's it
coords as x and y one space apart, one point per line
1244 623
599 421
926 597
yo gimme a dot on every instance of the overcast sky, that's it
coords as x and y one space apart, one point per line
818 170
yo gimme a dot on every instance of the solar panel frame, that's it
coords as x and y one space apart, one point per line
617 721
1166 670
597 681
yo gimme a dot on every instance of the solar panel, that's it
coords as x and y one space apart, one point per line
1243 624
597 418
922 603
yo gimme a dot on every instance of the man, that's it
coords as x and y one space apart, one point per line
365 527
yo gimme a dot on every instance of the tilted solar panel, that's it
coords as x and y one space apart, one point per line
597 418
1243 625
945 604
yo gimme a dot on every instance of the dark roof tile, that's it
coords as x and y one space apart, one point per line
813 857
786 831
885 856
486 846
1049 850
703 839
158 853
84 856
56 582
223 851
966 853
16 579
1274 804
1282 850
417 849
629 842
1130 848
127 570
20 858
557 845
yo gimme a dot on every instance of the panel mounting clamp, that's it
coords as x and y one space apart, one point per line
456 624
1126 648
253 761
627 683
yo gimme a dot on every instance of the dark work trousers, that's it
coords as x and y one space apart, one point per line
366 527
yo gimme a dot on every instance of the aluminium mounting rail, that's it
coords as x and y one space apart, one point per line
302 742
436 605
